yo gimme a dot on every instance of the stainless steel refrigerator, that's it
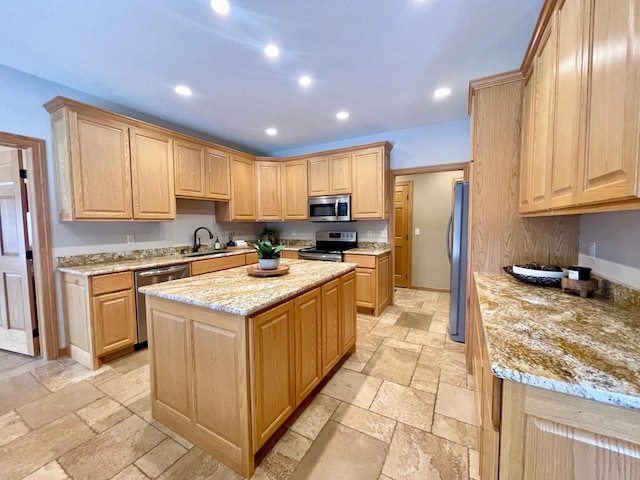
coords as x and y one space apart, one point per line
457 231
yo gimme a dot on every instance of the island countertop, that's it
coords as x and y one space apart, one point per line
541 337
235 291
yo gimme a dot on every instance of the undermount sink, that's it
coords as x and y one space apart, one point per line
202 254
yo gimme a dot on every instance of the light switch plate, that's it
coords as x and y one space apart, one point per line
131 239
417 231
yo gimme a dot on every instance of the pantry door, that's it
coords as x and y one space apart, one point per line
403 206
17 306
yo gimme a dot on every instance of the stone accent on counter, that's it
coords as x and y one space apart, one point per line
235 291
545 338
114 257
367 251
619 294
296 244
374 246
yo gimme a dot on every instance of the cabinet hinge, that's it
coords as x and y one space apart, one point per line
29 254
23 173
36 333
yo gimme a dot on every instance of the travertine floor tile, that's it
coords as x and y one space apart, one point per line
39 447
455 430
418 455
365 421
358 360
58 404
435 307
127 385
131 473
344 453
431 339
425 378
131 362
20 390
141 406
439 326
160 457
278 466
315 416
195 465
51 471
456 402
352 387
172 435
457 378
292 445
409 303
390 331
474 465
392 364
443 359
103 413
405 404
11 427
57 375
417 319
7 371
261 474
402 345
425 296
111 451
369 342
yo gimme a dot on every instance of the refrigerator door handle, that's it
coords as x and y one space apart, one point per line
449 239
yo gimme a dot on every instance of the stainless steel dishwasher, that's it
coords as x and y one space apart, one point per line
151 277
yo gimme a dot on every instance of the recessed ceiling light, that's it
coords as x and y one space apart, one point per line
442 92
271 131
342 115
271 50
304 80
220 6
183 90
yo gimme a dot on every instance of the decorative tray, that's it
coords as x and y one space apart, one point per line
255 271
531 280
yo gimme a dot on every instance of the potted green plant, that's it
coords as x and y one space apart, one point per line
269 234
268 255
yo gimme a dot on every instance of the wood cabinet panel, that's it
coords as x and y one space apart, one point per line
100 167
242 206
111 282
331 342
289 254
569 108
318 175
114 321
251 258
209 265
349 315
365 287
373 283
189 169
382 280
611 168
152 175
294 190
308 325
525 153
272 370
369 184
217 175
364 261
340 174
542 140
269 191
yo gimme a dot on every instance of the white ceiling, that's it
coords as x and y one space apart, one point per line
379 59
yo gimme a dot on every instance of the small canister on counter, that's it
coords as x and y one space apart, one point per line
579 273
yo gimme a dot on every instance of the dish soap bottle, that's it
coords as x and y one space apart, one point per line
216 246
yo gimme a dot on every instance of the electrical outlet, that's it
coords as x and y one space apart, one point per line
293 233
417 231
592 250
369 233
131 239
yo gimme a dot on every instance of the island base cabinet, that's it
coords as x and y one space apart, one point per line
554 436
308 318
198 360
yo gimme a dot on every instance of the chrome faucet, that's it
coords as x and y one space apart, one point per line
196 239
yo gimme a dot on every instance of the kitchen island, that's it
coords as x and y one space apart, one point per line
232 356
558 380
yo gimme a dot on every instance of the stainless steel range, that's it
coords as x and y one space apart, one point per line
329 246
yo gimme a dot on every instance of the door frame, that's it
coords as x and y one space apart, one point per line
444 167
409 183
35 162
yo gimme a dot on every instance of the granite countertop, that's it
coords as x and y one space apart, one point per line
367 251
235 291
545 338
101 268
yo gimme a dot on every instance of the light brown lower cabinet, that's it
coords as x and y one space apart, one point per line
290 254
373 286
209 265
248 373
100 316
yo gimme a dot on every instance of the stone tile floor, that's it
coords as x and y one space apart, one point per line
400 408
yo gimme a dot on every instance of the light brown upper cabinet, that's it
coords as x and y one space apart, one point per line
330 174
201 172
294 190
109 168
269 191
581 153
242 205
371 183
610 171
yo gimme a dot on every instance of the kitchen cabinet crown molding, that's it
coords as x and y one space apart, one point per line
492 81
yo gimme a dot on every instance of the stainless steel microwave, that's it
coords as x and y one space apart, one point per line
330 209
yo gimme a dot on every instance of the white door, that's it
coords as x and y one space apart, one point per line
17 306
